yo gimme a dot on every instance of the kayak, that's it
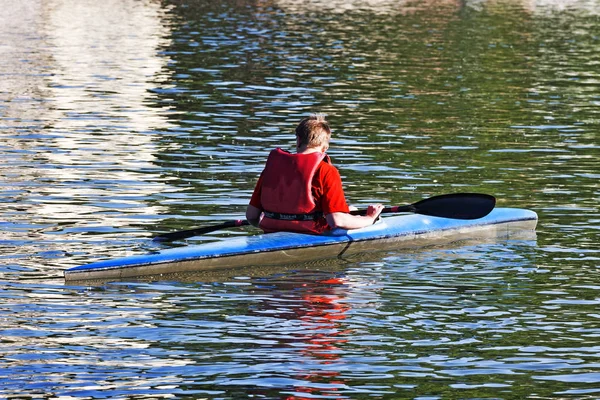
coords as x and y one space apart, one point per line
397 232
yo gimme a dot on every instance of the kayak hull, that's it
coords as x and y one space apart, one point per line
405 231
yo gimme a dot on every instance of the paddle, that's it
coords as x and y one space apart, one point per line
454 205
169 237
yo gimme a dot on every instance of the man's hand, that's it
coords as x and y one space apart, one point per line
374 210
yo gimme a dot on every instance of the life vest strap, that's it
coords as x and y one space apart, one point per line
294 217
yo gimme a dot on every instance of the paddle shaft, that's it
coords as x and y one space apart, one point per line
179 235
387 210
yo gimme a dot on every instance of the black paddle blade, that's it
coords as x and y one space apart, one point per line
456 205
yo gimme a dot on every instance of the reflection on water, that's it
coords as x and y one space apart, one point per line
78 126
405 325
122 119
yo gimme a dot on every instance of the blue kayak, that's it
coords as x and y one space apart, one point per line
403 231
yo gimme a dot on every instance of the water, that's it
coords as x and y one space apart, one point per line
123 119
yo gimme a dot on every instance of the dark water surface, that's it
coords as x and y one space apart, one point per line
123 119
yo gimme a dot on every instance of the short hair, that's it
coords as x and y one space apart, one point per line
313 131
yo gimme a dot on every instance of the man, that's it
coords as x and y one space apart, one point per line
303 192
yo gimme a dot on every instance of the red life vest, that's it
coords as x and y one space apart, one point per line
287 189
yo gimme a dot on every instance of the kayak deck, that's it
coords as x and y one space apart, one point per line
404 231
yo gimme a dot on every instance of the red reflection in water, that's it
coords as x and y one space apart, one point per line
324 310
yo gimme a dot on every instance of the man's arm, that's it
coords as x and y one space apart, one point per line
253 215
335 208
349 221
254 208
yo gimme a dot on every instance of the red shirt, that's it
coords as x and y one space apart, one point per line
326 189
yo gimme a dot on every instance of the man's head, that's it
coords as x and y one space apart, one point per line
313 131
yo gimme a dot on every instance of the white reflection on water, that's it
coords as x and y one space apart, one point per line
105 55
76 117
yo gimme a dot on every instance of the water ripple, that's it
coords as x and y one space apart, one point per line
123 119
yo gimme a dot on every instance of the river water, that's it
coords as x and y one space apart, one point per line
123 119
